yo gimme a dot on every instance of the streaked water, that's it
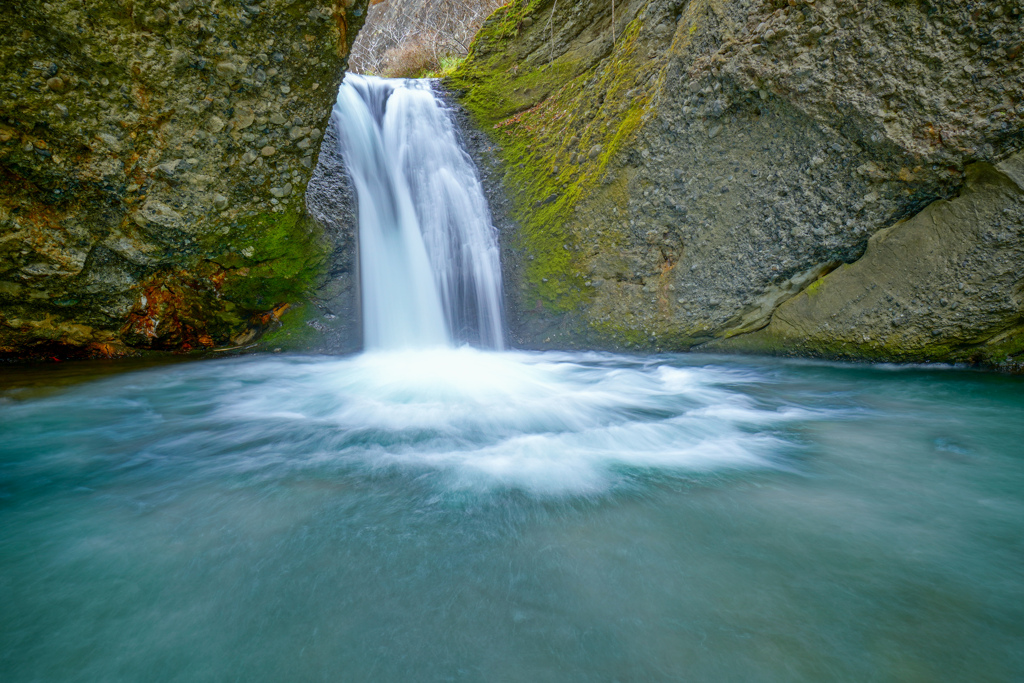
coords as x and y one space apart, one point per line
475 516
428 252
424 512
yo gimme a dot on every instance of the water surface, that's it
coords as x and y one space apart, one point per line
466 515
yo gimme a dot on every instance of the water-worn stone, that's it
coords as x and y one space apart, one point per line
226 70
902 299
129 202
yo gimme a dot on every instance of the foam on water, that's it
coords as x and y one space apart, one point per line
460 514
549 424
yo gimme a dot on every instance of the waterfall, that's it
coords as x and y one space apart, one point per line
428 254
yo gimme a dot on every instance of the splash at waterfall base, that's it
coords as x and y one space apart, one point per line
459 514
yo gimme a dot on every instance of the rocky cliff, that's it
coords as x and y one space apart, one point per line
155 156
693 173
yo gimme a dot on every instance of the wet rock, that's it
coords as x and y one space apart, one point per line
155 213
111 142
244 119
331 200
849 311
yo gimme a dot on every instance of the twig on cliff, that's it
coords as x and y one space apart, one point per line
551 31
613 23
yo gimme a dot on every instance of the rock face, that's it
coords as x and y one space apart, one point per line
683 169
947 283
331 200
154 158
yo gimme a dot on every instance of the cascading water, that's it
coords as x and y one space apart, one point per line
427 248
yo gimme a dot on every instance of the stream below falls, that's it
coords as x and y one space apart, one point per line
430 511
455 514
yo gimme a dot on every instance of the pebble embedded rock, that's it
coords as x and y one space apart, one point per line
226 70
154 119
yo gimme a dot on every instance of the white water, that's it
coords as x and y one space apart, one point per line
420 400
550 424
428 255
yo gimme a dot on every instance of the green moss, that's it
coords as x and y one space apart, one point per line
272 258
558 125
291 332
507 20
1010 346
1007 348
447 66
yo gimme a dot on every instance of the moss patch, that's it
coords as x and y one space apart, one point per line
293 329
270 259
558 124
1004 351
